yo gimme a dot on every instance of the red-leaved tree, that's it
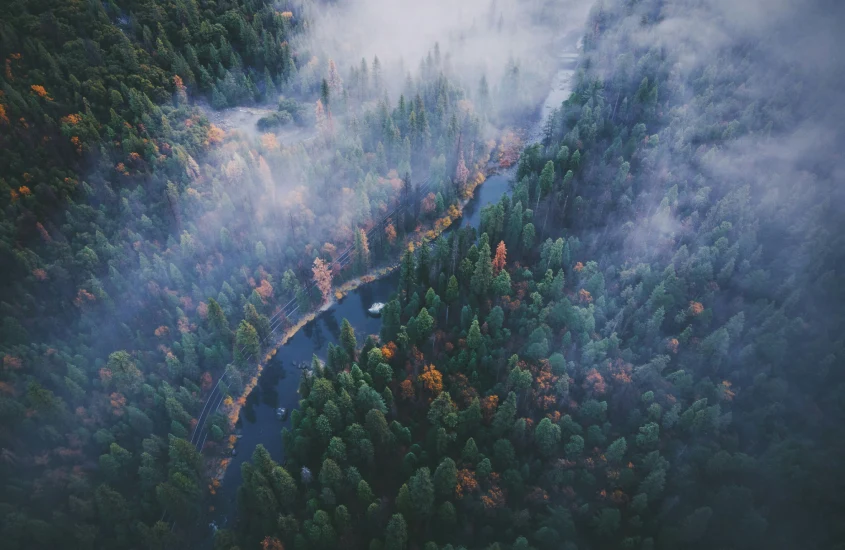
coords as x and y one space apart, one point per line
500 259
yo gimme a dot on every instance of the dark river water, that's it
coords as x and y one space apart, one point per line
279 382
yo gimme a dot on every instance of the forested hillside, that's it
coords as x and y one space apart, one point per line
101 193
642 348
145 250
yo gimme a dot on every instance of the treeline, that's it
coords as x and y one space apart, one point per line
638 352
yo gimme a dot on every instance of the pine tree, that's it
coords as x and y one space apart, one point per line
452 292
528 234
616 451
348 339
407 275
365 494
390 321
396 534
216 318
474 335
246 342
423 265
547 437
425 325
505 415
470 452
547 178
445 478
482 276
421 491
377 76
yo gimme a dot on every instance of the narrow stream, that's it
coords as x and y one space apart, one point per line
279 382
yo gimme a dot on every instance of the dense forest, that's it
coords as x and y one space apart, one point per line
148 253
640 349
636 349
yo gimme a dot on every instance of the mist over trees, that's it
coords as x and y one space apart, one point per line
637 348
148 251
657 367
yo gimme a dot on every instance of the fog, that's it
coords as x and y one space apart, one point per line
415 43
475 38
271 187
749 119
152 217
788 57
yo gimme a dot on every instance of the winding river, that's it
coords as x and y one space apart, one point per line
279 381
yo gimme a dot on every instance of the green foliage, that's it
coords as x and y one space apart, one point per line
474 335
396 534
547 437
655 310
445 478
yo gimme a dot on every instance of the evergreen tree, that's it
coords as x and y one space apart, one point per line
474 335
547 437
421 490
547 178
505 415
482 276
247 343
407 275
347 339
216 317
445 478
396 534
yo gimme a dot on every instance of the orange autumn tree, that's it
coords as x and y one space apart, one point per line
595 382
214 135
10 362
40 91
461 172
500 259
269 141
509 148
265 290
488 406
407 389
494 498
466 483
272 543
118 403
388 351
390 233
181 90
584 296
432 379
323 278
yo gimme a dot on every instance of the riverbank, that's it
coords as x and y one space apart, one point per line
217 465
